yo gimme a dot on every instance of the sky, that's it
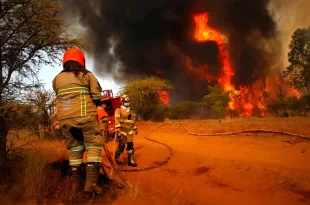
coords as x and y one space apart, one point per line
47 74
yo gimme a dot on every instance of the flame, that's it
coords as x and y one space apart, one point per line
158 72
164 97
247 99
205 33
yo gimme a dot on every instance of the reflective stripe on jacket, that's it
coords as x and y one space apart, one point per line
75 94
121 121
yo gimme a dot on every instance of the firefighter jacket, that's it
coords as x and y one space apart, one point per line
76 93
125 120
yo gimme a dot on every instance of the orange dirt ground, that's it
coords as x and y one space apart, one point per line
237 169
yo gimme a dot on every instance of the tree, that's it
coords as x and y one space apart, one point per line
184 110
20 116
145 93
298 72
32 34
288 107
41 102
217 100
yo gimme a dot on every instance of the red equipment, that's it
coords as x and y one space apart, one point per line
112 103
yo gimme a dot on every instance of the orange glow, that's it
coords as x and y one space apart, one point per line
247 98
205 33
164 97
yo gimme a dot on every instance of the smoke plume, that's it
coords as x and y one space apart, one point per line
289 17
137 38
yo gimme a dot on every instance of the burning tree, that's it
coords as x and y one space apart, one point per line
32 34
148 95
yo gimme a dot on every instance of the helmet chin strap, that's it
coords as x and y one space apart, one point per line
126 104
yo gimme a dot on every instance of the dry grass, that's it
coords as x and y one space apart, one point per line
31 161
145 195
151 192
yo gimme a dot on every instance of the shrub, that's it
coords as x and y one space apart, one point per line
156 113
184 110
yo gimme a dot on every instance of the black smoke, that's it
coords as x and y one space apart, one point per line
158 34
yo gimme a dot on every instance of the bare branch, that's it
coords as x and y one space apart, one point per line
32 29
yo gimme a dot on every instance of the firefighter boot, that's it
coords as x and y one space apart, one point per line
92 176
130 151
119 151
77 178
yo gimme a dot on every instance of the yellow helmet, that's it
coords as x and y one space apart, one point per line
125 98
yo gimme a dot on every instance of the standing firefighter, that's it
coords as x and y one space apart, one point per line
125 128
78 94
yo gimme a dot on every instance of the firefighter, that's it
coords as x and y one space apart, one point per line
78 95
125 128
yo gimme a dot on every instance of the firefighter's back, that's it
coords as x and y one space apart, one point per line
74 99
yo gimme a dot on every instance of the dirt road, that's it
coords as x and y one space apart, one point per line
240 169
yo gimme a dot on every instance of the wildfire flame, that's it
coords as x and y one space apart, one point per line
247 99
163 95
205 33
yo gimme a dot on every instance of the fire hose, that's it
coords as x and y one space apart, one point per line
117 171
197 134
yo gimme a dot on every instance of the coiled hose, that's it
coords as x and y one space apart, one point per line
200 134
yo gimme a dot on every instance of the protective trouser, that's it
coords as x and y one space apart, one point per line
82 133
122 140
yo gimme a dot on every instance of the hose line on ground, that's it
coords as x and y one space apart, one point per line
200 134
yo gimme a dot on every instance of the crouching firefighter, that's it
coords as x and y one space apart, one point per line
125 128
78 93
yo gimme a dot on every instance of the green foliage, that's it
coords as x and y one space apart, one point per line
18 115
298 72
183 110
29 114
160 113
217 100
291 106
22 116
156 113
144 95
305 102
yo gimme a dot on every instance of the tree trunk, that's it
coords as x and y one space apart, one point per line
3 154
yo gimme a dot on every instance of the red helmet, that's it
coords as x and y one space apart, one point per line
74 54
